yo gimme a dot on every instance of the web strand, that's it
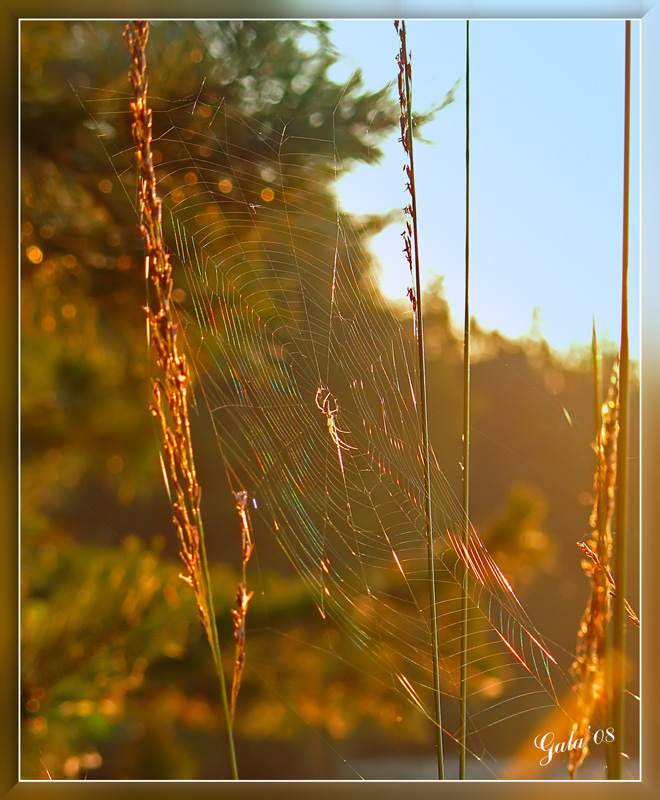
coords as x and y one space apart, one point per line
308 376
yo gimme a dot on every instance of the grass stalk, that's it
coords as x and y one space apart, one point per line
617 672
597 362
243 598
170 389
590 666
466 422
406 120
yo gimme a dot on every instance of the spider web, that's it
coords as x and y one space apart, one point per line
311 381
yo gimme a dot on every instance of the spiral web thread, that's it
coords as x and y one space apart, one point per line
310 378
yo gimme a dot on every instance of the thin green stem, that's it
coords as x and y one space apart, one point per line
466 421
423 413
620 556
598 383
214 641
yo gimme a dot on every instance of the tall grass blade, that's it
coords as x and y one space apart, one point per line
620 544
170 389
597 362
466 420
405 100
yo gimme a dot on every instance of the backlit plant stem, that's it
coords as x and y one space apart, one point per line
466 421
405 100
617 672
170 389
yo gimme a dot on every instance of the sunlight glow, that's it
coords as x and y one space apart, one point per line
546 177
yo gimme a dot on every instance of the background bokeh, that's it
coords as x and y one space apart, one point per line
116 678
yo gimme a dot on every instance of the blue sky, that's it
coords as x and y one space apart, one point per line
546 103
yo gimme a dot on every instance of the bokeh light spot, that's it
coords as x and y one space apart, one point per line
115 464
34 254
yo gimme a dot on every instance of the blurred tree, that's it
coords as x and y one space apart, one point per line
86 438
92 621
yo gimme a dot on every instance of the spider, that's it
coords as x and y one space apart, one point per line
323 400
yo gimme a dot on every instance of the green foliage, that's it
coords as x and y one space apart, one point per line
84 361
92 621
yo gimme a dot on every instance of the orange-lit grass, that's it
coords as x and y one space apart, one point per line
170 389
589 667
